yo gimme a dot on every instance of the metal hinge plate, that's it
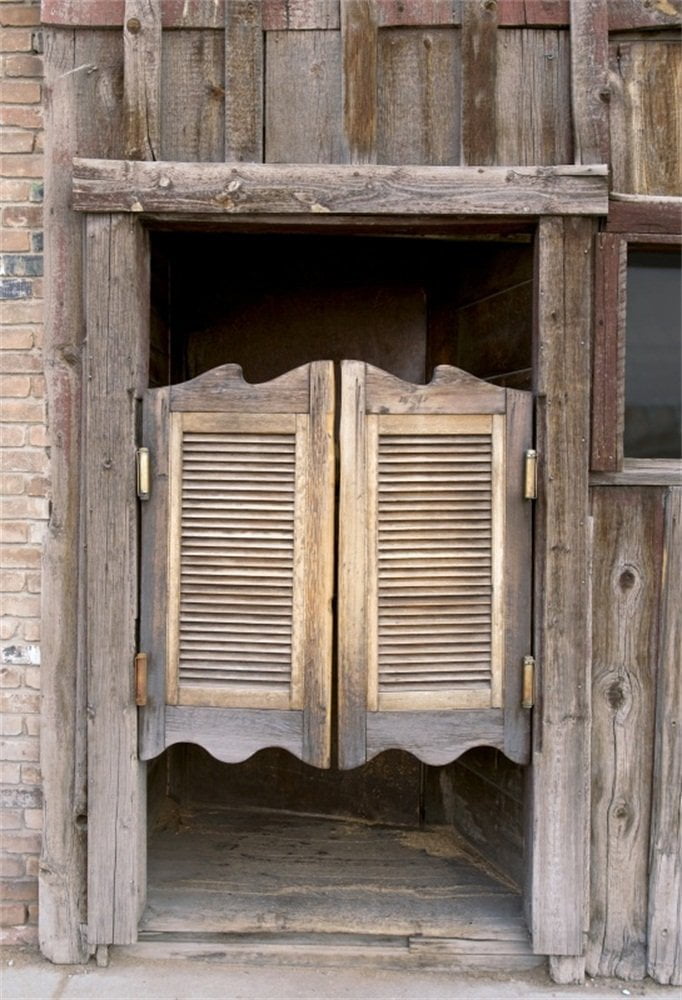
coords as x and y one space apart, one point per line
528 694
141 679
143 472
530 475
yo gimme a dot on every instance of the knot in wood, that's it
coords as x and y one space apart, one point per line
134 25
627 580
615 695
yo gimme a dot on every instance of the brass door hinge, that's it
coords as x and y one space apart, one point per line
141 679
143 473
528 694
530 475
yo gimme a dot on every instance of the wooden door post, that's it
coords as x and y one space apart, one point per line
561 772
117 307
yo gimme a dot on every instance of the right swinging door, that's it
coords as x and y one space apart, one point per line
435 566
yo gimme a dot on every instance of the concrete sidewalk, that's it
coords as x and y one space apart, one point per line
27 976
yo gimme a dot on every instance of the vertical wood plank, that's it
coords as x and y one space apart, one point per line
532 97
625 582
154 572
608 366
664 959
561 747
418 96
479 68
193 87
589 80
303 98
243 81
359 44
646 127
116 308
142 92
83 80
320 568
352 606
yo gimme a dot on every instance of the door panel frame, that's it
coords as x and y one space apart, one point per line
116 264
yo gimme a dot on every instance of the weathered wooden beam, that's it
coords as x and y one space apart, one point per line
638 15
234 189
642 472
590 80
664 959
643 214
608 406
117 305
628 535
244 81
62 873
111 13
560 822
142 79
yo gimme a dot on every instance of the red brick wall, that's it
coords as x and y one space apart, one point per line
24 487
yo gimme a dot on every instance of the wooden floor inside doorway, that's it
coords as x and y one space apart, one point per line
246 872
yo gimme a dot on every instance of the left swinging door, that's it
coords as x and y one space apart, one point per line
237 564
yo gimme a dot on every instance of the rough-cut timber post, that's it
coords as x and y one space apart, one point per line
62 866
562 639
117 307
665 860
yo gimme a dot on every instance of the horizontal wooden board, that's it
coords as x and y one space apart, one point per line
434 737
655 216
234 734
111 13
232 189
299 15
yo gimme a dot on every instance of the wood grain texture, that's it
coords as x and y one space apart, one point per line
589 80
303 102
142 79
418 96
116 303
193 87
244 87
626 586
532 104
631 15
298 15
234 734
434 737
644 215
561 748
83 84
479 70
111 13
154 514
359 41
642 472
421 13
646 131
664 954
224 390
228 189
608 363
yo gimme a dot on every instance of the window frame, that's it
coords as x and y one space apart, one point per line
642 224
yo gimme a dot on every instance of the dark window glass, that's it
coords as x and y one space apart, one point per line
653 356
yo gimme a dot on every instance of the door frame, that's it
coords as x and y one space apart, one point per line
116 283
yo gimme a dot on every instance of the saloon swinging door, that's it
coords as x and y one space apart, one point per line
246 558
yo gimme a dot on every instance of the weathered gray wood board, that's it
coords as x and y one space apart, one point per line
645 81
229 189
608 384
142 79
84 75
115 377
628 537
243 81
664 960
562 644
589 93
193 87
